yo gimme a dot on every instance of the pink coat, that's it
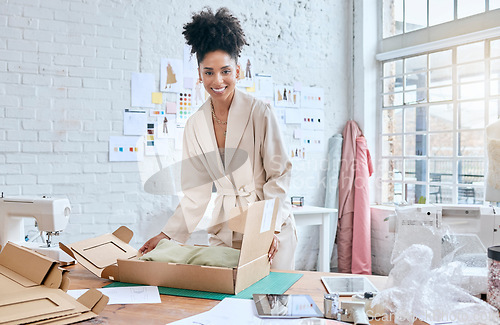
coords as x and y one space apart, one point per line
361 228
346 196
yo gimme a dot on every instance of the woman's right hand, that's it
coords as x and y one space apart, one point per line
151 244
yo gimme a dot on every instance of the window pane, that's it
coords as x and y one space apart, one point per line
389 85
495 68
440 194
415 96
415 119
440 94
416 170
393 100
471 90
440 11
392 169
415 145
440 170
470 52
494 4
440 59
468 8
441 117
415 15
416 63
393 17
494 111
441 144
471 172
440 77
414 192
392 121
470 72
471 115
392 145
494 87
495 47
393 192
393 68
470 195
471 143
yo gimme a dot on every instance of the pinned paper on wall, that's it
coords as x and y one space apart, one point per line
123 148
312 119
199 94
134 122
279 112
298 152
171 108
312 141
165 126
171 75
157 98
286 96
184 106
142 85
312 97
245 78
292 116
297 134
157 111
155 146
190 68
179 133
264 86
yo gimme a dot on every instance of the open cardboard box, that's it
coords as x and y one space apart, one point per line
111 257
33 290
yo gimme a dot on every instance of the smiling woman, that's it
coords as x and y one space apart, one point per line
233 141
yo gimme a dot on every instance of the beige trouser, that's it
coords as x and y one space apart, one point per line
285 257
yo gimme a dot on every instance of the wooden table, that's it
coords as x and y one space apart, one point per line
173 308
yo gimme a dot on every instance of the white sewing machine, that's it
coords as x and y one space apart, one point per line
51 216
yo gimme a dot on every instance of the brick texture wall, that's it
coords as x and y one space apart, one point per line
65 70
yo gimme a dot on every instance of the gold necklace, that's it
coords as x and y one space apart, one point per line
215 117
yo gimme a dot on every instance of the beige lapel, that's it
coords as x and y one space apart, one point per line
237 122
205 135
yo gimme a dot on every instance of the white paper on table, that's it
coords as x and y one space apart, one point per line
243 312
126 295
292 116
126 148
142 86
134 122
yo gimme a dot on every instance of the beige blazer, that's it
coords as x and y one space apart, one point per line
256 167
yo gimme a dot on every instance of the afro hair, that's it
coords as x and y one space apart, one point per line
208 32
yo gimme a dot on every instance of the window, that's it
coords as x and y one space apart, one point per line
435 104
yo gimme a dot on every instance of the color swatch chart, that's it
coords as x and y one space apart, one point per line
184 107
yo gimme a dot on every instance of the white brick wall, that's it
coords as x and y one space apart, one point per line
65 78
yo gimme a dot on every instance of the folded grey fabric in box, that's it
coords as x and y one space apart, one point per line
171 252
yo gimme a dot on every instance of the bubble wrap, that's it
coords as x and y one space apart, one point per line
416 290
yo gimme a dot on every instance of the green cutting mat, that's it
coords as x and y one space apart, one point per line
275 282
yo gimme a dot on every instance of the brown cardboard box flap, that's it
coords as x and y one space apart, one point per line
30 305
259 230
95 254
26 301
25 262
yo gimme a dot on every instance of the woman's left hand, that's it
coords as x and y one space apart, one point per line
273 249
